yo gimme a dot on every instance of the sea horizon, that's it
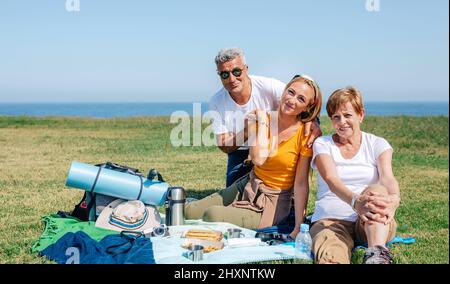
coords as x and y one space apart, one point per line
132 109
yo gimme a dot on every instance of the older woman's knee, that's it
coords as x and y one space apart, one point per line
375 188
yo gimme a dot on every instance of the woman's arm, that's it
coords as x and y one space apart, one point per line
327 170
259 138
301 192
386 174
385 205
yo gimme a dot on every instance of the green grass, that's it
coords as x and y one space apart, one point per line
36 153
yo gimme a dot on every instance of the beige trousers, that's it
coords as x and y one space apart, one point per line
333 240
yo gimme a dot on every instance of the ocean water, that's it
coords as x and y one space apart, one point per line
108 110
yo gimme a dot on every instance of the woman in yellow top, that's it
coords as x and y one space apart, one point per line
281 161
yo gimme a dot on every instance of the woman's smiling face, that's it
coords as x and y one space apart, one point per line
296 98
346 121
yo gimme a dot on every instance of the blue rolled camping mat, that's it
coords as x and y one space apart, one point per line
116 184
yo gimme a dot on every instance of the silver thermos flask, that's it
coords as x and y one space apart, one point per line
174 204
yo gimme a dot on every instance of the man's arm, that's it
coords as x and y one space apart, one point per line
227 139
314 128
230 142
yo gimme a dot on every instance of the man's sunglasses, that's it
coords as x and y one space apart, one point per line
237 72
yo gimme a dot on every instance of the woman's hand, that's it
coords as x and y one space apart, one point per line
383 205
258 136
250 117
250 127
365 210
377 207
295 232
256 116
362 207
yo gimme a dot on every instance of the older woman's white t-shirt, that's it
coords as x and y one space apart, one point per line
356 173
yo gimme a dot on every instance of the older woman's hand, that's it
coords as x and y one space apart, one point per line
364 208
383 205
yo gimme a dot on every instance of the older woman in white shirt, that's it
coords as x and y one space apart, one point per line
357 192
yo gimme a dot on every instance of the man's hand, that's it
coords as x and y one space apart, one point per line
227 142
313 128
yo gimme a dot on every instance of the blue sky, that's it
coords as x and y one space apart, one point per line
163 51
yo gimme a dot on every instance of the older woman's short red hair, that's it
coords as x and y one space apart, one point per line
343 96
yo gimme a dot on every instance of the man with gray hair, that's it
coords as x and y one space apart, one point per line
241 94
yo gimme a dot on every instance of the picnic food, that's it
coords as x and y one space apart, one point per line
208 246
210 235
209 249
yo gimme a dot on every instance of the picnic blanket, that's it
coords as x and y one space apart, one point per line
79 248
166 250
57 226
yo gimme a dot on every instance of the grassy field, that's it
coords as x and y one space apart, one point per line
35 155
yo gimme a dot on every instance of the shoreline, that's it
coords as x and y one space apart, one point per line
75 117
157 109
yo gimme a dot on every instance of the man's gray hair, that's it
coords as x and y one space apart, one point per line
228 54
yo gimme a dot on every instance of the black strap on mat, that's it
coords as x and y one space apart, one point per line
96 179
142 187
154 173
129 238
92 201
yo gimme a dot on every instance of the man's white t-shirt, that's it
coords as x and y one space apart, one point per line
356 173
229 116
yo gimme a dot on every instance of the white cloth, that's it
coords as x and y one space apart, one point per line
169 250
244 242
229 116
356 173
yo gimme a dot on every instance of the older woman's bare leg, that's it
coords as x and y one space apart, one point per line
376 233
